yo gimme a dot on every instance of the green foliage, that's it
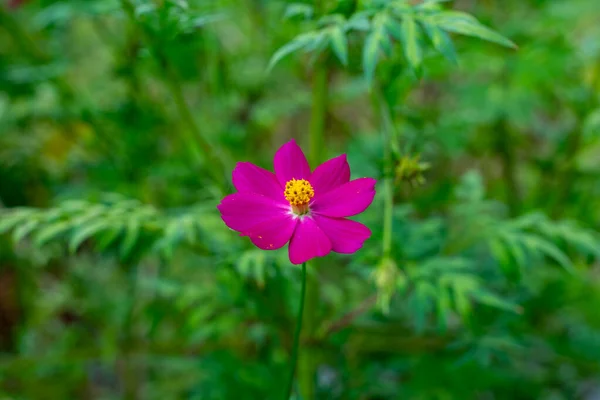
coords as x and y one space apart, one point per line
384 23
126 226
489 170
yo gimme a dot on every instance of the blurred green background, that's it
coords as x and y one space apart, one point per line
120 123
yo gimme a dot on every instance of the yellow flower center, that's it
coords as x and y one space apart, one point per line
299 192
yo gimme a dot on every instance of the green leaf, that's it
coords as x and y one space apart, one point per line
516 250
24 229
9 220
461 301
410 41
189 229
425 294
358 22
484 297
299 42
444 305
441 41
339 44
393 28
84 232
50 232
550 250
132 231
298 9
108 236
465 24
426 4
370 55
317 45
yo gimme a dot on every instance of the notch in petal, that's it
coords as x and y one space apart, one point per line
290 163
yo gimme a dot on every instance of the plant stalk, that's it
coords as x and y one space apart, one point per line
307 366
383 109
299 318
318 114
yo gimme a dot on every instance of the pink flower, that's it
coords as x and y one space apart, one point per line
293 205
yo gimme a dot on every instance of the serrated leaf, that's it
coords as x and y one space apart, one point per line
296 44
465 24
410 41
84 232
441 41
339 44
50 232
132 231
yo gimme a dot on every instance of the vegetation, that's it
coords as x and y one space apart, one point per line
120 124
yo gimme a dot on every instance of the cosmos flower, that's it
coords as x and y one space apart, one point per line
293 205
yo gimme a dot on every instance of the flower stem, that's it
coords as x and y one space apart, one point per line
307 364
290 383
318 113
386 125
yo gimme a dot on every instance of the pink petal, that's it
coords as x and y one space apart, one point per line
244 211
274 233
308 242
346 236
330 174
346 200
290 162
248 178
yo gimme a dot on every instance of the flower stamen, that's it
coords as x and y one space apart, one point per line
299 192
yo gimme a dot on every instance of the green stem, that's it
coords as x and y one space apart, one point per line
382 108
307 365
318 114
288 390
